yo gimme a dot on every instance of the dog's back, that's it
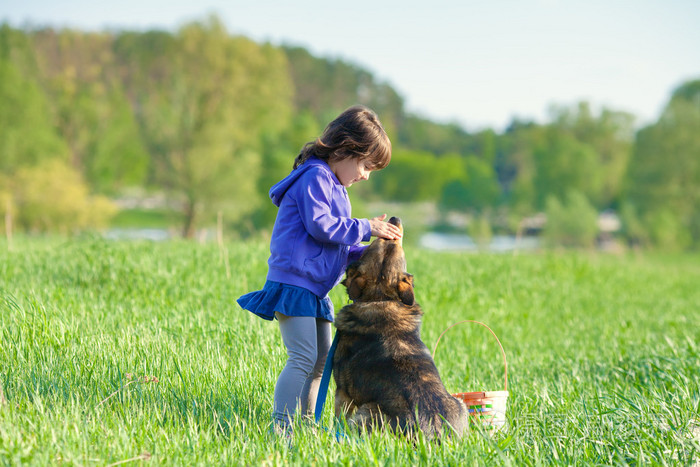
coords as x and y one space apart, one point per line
386 372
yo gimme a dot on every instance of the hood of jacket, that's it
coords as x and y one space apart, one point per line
279 189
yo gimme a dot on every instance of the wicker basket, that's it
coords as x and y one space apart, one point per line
487 408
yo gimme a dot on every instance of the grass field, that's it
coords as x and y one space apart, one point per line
116 353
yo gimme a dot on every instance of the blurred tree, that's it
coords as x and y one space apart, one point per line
117 156
562 163
663 180
515 166
573 223
416 176
610 135
7 207
485 146
420 134
27 134
93 115
633 229
666 230
453 196
146 65
52 196
278 153
479 229
325 87
476 192
204 100
213 114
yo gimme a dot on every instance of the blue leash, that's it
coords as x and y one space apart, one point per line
323 387
325 380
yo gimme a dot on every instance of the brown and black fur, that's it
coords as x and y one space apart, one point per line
383 371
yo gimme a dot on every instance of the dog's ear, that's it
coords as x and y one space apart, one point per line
355 285
405 289
349 271
353 282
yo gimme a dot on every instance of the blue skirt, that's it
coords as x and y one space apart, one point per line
289 300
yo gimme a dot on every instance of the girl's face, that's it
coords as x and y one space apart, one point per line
350 170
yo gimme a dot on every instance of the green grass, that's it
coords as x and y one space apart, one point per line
147 218
603 358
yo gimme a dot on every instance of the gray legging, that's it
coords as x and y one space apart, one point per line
307 340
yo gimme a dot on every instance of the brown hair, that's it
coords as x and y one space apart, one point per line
357 133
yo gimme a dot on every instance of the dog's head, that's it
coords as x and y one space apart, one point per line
380 274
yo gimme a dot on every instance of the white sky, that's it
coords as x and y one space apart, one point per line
477 63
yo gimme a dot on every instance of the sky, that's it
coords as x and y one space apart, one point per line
475 63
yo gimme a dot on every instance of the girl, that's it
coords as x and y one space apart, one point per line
313 240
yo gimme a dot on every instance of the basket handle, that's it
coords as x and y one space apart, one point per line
503 352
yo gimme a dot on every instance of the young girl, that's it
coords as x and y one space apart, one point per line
313 240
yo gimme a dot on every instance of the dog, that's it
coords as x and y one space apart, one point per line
384 373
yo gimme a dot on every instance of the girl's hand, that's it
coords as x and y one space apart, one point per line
384 229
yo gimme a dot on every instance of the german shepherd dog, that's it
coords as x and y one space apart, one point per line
383 371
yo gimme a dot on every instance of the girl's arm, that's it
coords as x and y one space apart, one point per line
314 201
355 252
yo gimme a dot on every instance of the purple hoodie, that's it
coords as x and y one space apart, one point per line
314 237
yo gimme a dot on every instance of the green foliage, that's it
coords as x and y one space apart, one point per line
145 218
118 155
666 231
93 114
479 229
578 150
27 135
563 163
515 166
424 135
688 92
324 87
52 196
633 228
477 191
482 187
610 135
204 123
278 153
214 120
664 173
485 145
573 223
416 176
454 196
397 181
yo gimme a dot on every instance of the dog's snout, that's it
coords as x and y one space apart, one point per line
397 222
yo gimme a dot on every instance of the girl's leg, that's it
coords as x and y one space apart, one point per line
299 337
323 344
